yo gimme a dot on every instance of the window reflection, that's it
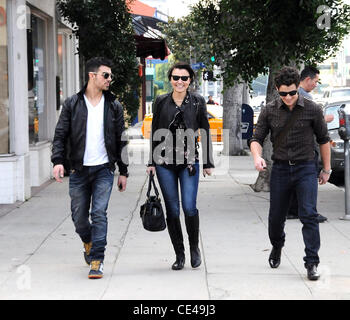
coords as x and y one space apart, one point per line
36 78
4 94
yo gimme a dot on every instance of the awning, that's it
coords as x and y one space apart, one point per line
149 41
146 47
142 23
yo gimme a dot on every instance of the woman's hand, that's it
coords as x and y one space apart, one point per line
207 171
151 170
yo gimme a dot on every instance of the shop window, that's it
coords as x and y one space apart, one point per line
62 68
36 78
4 93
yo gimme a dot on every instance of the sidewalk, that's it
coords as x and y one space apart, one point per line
41 256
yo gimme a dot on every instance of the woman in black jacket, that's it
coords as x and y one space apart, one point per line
177 116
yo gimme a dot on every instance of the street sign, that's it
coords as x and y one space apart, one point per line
208 75
198 65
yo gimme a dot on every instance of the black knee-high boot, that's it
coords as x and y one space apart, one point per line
192 226
175 232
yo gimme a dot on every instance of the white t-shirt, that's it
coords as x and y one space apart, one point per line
95 149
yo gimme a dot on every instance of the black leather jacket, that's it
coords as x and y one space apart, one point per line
70 134
195 117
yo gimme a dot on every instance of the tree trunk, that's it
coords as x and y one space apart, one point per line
232 116
262 183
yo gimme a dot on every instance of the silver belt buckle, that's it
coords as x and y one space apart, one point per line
291 163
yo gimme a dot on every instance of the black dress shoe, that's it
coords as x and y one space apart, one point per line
275 257
312 273
321 218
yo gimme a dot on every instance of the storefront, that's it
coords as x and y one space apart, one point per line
38 71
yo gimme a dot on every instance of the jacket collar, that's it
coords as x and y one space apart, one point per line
107 93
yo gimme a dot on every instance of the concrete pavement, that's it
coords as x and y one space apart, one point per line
41 255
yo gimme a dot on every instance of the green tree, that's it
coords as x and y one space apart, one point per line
250 37
187 42
255 37
104 28
162 75
191 39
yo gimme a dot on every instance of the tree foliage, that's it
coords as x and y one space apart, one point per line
251 36
104 28
255 37
187 40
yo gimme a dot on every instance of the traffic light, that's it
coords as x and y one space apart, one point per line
212 59
208 75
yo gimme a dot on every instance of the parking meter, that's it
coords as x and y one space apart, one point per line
344 123
344 133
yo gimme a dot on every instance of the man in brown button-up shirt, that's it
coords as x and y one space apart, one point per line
294 165
299 143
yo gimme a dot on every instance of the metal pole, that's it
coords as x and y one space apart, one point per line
347 179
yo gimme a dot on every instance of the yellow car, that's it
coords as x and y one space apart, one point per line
214 117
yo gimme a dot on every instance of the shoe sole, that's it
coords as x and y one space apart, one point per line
194 266
95 276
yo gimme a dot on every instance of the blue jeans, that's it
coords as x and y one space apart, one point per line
168 180
91 186
302 178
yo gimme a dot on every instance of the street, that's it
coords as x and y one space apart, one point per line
41 257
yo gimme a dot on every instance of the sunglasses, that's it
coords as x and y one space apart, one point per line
177 78
291 93
105 75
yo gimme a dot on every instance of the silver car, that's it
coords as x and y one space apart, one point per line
337 144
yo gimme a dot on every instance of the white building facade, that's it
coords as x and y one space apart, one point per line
38 70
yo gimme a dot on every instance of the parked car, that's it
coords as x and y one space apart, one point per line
215 121
337 144
334 94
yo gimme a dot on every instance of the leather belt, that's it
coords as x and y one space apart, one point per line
291 162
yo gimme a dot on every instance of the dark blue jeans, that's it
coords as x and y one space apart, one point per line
91 187
302 178
168 180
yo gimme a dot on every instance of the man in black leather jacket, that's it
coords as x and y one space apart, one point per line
89 134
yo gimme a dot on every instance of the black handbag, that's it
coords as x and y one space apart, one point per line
151 211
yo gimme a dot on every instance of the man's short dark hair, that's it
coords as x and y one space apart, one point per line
287 76
181 65
93 64
309 71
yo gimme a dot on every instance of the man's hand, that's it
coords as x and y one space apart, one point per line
256 150
259 163
58 172
328 118
323 177
122 183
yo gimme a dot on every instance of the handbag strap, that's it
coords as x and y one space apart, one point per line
283 133
150 182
